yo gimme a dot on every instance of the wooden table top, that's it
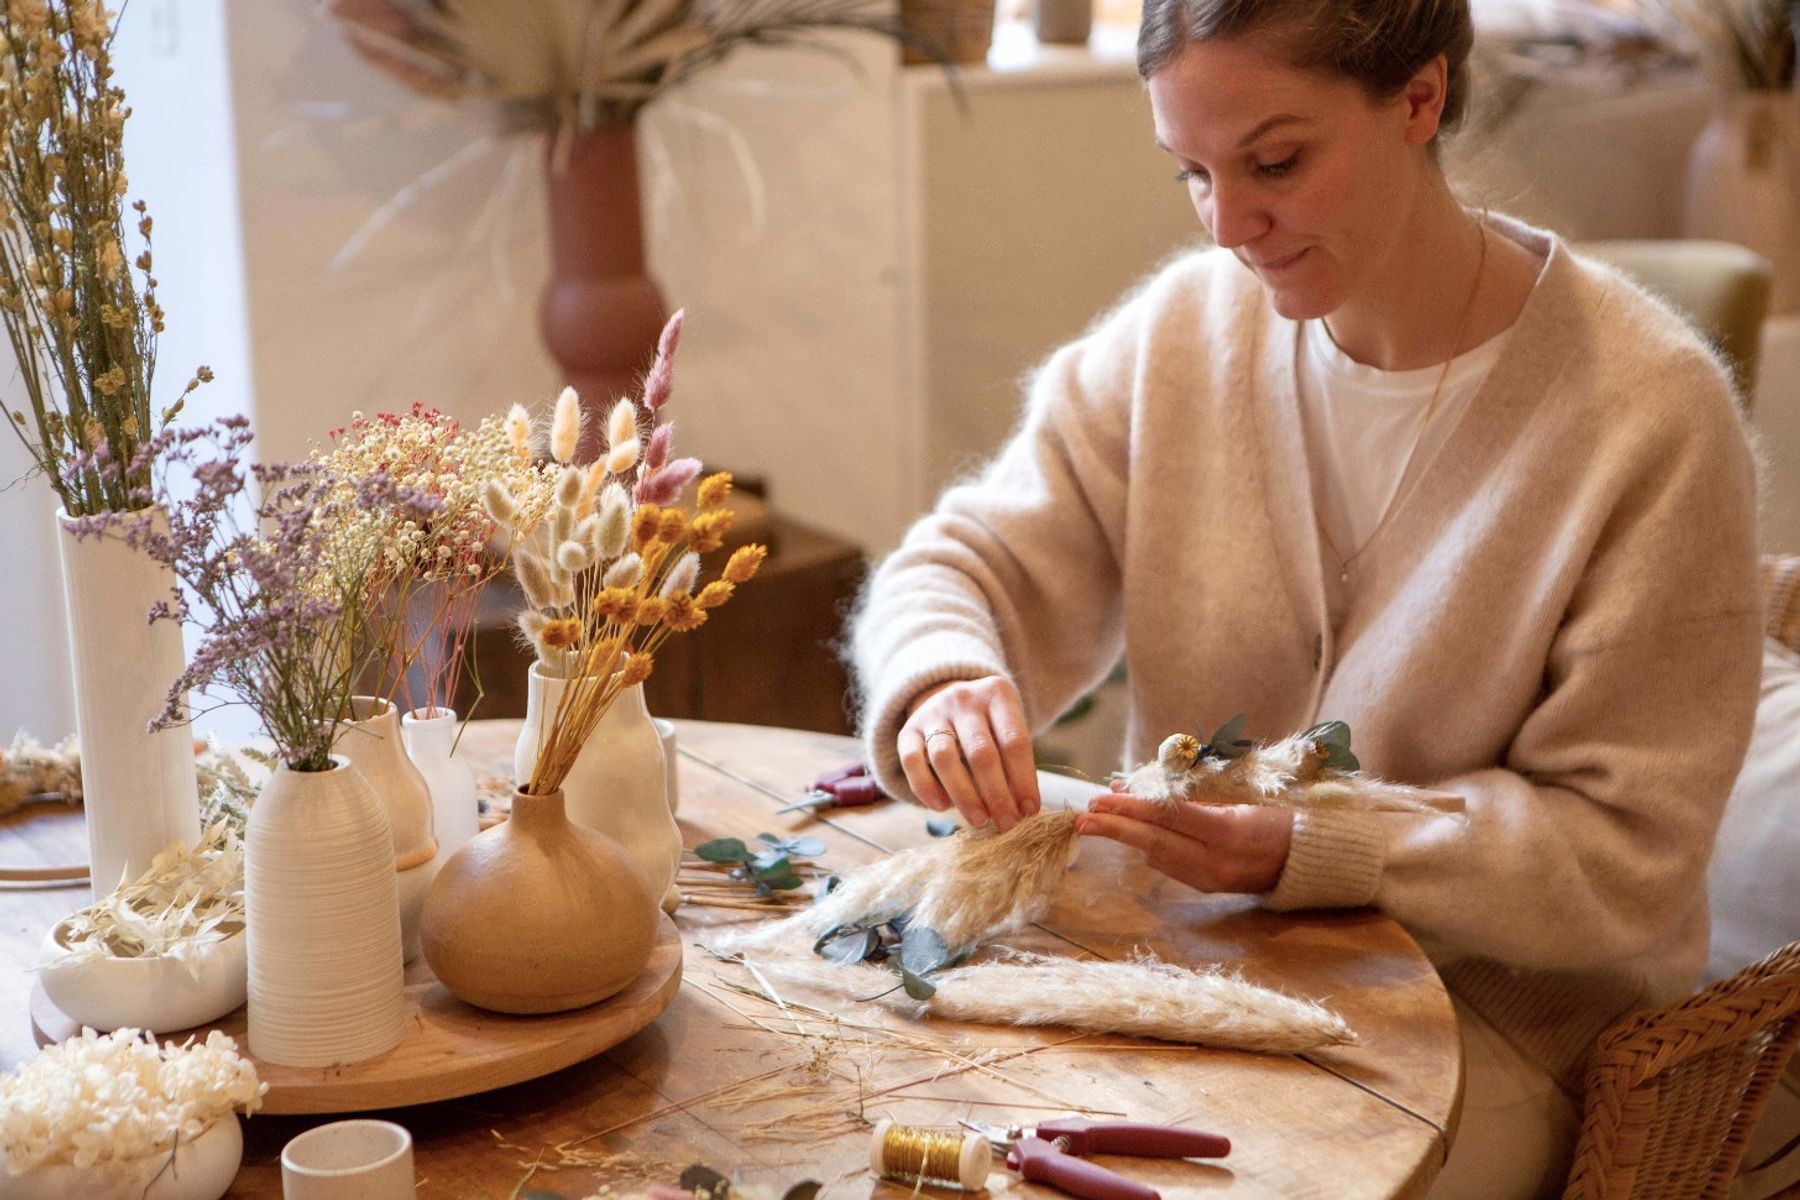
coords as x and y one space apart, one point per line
727 1078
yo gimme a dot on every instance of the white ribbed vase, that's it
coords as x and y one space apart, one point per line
322 906
616 786
431 744
138 787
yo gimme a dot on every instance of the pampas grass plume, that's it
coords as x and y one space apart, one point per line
565 426
568 487
518 432
615 522
534 579
573 556
622 442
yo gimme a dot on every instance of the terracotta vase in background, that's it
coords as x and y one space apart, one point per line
538 914
618 784
1744 184
601 313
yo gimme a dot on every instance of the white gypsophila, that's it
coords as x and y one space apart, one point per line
113 1097
682 576
624 573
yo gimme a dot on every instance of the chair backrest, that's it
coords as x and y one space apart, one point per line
1721 287
1673 1093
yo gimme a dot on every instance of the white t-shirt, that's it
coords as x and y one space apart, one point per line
1360 424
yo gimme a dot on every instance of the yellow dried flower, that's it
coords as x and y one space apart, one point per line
706 532
673 526
744 561
713 489
562 634
646 524
684 614
651 610
715 593
638 669
616 603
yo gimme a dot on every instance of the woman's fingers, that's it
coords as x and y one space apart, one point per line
1214 848
945 754
919 775
1006 716
981 753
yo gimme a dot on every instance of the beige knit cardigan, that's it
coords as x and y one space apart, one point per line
1560 621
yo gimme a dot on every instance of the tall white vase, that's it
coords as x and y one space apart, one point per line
431 743
138 787
1744 183
322 909
616 786
373 745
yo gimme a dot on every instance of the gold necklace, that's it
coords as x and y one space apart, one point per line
1462 326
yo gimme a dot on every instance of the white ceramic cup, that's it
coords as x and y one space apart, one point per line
671 777
349 1160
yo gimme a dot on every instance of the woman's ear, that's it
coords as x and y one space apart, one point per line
1424 100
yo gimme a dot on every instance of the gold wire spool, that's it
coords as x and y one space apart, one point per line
908 1154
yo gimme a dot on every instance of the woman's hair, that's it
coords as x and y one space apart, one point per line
1380 44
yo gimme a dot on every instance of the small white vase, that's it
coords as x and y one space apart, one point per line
138 787
371 741
1743 183
616 786
322 903
202 1169
431 744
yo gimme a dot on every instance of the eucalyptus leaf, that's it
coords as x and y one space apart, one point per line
806 1189
723 850
1229 741
536 1194
780 883
825 887
940 826
916 987
848 944
1335 737
922 951
800 847
769 862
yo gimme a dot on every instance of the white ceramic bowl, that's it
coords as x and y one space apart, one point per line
159 994
202 1170
360 1159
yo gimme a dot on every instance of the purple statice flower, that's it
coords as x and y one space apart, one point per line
246 549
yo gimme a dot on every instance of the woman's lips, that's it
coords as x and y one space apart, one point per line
1275 266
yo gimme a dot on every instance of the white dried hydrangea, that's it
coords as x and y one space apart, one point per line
100 1098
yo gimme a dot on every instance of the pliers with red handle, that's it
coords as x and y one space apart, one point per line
1053 1153
847 787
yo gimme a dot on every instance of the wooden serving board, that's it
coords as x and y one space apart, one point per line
452 1048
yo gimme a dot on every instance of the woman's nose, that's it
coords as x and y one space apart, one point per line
1233 216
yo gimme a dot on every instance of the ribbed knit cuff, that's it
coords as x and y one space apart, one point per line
1335 861
882 722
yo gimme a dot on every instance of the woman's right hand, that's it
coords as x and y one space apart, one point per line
966 743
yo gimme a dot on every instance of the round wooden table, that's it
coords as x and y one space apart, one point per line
729 1078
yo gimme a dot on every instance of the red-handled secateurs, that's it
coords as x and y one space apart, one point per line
1053 1153
847 787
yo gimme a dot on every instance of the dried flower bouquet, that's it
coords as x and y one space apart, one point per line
82 330
608 559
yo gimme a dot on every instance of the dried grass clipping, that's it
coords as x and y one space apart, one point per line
1145 997
1295 772
975 885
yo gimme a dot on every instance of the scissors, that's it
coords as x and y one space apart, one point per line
851 791
1052 1153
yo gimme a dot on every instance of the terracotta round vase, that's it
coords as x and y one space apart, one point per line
322 912
601 313
538 915
1744 184
618 785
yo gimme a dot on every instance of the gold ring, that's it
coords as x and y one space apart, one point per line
949 733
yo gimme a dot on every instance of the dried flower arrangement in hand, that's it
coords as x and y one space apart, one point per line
1310 770
607 557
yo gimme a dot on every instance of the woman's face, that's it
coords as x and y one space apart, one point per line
1298 173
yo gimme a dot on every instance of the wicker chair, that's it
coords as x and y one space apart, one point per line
1672 1094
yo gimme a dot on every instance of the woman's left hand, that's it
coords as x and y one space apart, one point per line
1211 847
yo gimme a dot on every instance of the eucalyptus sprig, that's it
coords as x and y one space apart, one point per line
83 329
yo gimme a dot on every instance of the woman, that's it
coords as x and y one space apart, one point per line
1380 459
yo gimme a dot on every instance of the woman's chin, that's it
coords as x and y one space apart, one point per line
1300 303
